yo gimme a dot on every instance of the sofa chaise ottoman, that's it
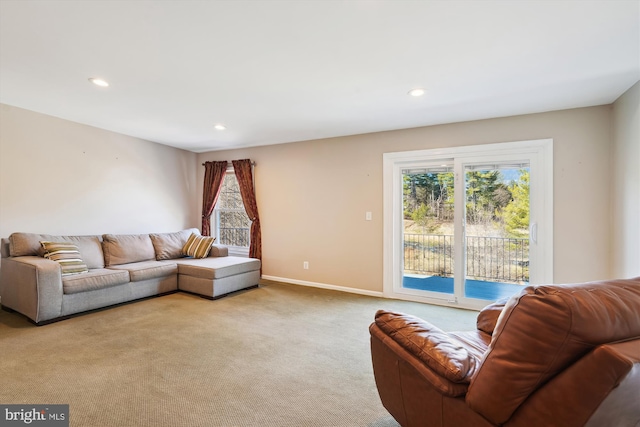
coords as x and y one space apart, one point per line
119 268
217 276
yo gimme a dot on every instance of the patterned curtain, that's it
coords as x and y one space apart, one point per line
242 169
214 173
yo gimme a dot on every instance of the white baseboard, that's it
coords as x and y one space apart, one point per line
324 286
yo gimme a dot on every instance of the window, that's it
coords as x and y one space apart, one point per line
468 224
232 225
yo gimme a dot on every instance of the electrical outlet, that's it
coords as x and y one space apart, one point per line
305 265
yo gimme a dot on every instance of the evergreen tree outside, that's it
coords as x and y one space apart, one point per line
434 190
486 195
424 218
516 213
495 209
489 200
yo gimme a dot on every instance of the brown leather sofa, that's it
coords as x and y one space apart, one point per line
554 355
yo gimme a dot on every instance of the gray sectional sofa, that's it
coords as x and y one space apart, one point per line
121 268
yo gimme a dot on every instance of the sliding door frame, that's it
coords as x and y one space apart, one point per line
540 155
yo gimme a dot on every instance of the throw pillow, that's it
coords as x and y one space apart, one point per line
67 255
169 245
198 246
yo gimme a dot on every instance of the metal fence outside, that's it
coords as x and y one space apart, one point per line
488 258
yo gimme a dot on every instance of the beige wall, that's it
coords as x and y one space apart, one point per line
625 253
312 196
62 177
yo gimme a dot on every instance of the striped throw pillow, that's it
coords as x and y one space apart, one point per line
67 255
197 246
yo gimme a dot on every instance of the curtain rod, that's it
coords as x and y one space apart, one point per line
252 163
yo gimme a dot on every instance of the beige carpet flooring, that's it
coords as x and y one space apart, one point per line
280 355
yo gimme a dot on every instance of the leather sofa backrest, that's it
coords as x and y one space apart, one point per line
543 330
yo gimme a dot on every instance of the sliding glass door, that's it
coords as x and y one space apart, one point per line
462 225
428 237
497 230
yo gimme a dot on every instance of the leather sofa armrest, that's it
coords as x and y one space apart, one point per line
600 389
445 355
218 251
388 356
32 286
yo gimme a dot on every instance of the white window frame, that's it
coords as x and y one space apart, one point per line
540 154
233 250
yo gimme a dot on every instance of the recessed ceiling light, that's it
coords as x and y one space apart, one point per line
220 127
416 92
99 82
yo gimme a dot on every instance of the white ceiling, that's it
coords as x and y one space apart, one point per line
283 71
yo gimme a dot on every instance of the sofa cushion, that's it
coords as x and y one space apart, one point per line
543 330
475 342
90 247
93 280
445 355
169 245
218 250
197 246
139 271
127 248
67 255
488 317
217 268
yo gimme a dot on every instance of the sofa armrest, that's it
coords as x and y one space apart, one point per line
600 389
387 357
32 286
218 251
443 354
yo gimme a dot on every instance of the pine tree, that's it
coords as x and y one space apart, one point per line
425 219
481 188
516 213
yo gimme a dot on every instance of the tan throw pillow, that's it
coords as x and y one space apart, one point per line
197 246
67 255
